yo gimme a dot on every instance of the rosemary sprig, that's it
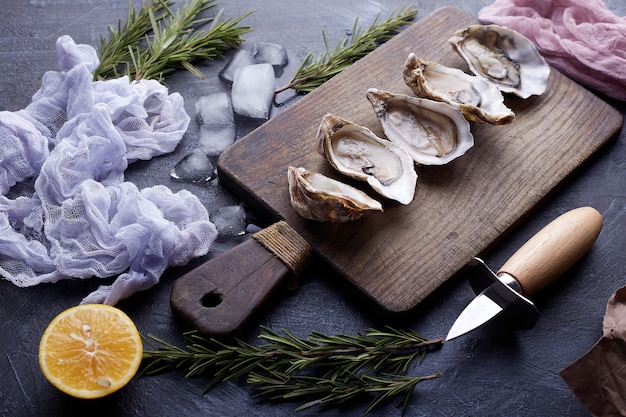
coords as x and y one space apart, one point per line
319 370
327 392
316 70
115 52
156 40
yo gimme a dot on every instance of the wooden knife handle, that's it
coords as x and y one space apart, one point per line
217 297
554 249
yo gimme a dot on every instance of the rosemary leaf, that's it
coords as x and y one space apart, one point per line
316 70
117 51
313 391
156 41
318 370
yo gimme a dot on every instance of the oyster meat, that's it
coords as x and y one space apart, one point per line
317 197
432 132
504 57
357 152
479 100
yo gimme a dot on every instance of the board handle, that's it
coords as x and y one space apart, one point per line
554 249
217 297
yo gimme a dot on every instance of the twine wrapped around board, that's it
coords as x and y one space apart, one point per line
286 244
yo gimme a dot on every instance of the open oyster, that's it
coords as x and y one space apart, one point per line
432 132
356 151
503 56
317 197
478 99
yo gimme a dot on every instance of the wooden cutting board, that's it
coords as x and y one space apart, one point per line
401 255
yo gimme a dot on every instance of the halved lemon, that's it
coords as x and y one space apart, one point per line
90 350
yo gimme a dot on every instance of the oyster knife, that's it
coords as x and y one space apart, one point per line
543 258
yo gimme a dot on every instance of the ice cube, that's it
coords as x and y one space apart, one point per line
213 140
253 228
215 110
242 58
194 167
271 53
253 91
230 221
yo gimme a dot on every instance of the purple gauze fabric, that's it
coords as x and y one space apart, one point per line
65 210
580 38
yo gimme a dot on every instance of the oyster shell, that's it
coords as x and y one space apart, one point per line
478 99
317 197
432 132
504 57
356 151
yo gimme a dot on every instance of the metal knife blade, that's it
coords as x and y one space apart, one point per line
478 312
501 297
547 255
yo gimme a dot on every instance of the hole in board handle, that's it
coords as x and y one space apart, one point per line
212 300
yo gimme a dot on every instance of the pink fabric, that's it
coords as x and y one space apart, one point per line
580 38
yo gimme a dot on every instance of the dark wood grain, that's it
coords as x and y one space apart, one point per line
487 373
220 295
401 255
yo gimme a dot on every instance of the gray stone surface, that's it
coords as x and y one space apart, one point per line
493 371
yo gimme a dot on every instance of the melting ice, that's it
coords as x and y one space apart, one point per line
214 113
229 221
242 58
271 53
251 74
253 91
215 110
194 167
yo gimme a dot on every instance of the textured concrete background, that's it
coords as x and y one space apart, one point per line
493 371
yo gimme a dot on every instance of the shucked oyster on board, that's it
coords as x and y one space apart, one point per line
357 152
479 100
432 132
317 197
504 57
